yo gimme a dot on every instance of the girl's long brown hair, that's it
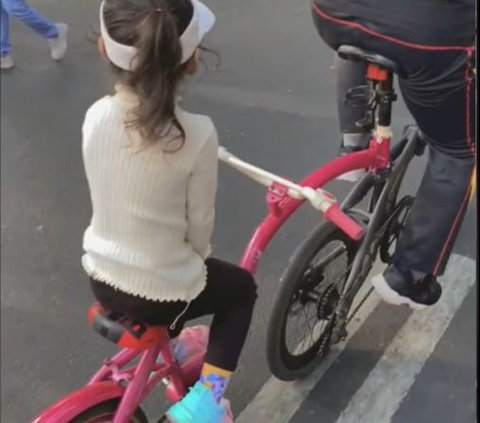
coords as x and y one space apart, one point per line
153 27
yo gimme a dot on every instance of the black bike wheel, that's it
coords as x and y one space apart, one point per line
104 413
309 289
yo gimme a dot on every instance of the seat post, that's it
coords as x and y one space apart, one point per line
385 94
382 80
386 97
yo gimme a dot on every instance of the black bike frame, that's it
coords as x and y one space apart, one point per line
388 186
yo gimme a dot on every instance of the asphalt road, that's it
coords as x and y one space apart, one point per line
272 100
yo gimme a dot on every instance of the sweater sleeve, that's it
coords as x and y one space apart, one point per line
201 193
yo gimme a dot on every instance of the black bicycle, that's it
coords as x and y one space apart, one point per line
313 304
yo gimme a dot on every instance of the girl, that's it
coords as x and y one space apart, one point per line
152 173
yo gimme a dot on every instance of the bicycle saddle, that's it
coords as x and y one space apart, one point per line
123 331
357 54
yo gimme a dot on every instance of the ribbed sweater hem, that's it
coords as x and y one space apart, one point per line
151 289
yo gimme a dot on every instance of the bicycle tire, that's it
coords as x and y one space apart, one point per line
283 364
101 413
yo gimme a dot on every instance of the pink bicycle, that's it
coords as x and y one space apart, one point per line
347 242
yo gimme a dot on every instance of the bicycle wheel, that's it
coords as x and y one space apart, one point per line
104 413
306 300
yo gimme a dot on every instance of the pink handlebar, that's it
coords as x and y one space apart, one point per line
335 215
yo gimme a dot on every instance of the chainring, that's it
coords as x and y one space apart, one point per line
328 302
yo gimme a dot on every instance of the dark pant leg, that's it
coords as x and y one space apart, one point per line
138 308
349 74
441 98
31 17
229 295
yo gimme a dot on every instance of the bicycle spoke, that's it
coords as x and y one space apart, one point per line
308 324
317 326
298 332
304 335
310 318
331 256
313 296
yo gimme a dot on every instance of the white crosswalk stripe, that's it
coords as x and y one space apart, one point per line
379 397
395 372
278 401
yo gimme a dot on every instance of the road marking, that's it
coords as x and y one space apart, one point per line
380 396
278 401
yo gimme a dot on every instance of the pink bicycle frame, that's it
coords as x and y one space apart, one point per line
107 383
281 206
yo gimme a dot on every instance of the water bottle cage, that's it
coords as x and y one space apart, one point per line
370 97
364 96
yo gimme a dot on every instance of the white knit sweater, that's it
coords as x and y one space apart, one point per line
153 212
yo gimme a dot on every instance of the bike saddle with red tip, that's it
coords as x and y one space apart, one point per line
123 331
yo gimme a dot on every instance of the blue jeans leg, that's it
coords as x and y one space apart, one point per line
21 10
5 46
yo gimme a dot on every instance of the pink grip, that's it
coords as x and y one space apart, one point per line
335 215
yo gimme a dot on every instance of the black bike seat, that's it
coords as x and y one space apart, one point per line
357 54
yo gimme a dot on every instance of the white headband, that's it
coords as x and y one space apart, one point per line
123 56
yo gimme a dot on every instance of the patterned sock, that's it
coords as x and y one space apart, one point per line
215 379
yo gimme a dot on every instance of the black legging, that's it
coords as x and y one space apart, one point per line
439 91
229 295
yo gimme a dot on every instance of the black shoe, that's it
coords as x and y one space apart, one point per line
397 288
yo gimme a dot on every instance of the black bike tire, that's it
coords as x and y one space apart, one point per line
105 407
322 235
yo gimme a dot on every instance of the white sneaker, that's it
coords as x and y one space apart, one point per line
58 45
7 62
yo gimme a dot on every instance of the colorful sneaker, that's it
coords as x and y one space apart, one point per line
396 288
198 406
228 411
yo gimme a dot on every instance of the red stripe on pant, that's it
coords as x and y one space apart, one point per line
394 40
471 145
